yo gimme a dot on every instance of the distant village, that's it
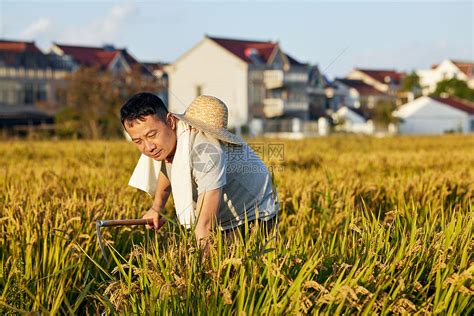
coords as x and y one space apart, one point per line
268 92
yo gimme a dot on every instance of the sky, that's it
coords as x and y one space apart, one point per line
337 36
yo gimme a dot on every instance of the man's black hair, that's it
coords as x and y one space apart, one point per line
141 105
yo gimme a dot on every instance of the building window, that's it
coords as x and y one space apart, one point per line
258 93
41 94
472 125
28 94
198 90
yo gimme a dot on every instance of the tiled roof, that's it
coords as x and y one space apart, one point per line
242 48
96 56
18 46
19 54
101 56
293 61
89 56
457 103
380 75
467 67
360 86
129 58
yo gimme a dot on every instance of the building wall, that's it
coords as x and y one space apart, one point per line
435 118
353 98
344 96
297 96
351 122
335 96
20 86
349 116
210 69
287 85
256 92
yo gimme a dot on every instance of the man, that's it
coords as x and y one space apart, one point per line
215 177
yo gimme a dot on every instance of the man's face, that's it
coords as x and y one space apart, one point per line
154 138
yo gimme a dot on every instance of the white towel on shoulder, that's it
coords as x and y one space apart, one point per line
146 173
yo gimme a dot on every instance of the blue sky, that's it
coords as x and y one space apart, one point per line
337 36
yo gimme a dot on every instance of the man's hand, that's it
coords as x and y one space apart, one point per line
162 193
155 216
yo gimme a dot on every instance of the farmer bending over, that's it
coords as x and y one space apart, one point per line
215 177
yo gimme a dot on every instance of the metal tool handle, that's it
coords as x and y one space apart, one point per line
122 222
125 222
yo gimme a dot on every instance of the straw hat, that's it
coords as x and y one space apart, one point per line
209 114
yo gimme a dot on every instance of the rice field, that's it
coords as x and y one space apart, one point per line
367 226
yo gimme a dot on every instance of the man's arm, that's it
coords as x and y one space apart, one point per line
163 190
207 206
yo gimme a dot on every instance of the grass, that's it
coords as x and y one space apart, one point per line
367 226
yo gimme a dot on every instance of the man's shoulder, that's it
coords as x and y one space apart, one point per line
199 137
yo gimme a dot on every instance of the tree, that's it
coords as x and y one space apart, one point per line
454 87
93 99
382 113
411 83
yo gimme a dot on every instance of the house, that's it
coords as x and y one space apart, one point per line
316 90
354 94
370 103
386 81
29 80
351 120
256 79
447 69
435 115
117 61
158 71
27 75
105 58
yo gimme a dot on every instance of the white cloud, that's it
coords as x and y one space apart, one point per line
36 29
104 30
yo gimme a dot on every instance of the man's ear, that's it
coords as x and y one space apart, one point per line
171 121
